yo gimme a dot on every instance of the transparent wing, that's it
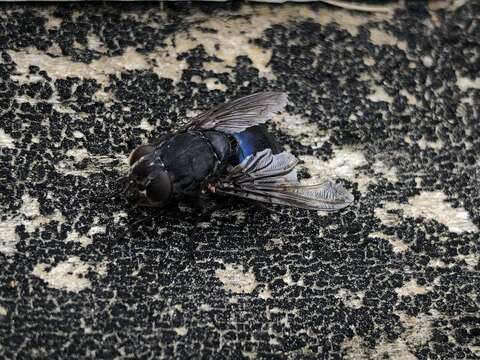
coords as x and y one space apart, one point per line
239 114
272 178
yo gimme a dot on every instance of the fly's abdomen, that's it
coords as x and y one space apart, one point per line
253 140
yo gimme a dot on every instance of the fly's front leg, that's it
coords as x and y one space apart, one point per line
204 206
144 201
200 204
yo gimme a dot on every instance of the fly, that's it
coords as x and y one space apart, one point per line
227 151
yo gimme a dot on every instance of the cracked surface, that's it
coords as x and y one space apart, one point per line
386 103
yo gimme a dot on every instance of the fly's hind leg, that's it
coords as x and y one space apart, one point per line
270 209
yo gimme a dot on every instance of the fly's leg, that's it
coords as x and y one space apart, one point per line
201 204
263 206
131 226
200 209
137 224
142 200
191 249
254 204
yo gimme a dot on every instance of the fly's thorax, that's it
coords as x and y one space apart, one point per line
149 175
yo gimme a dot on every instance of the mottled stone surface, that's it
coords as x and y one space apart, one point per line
388 103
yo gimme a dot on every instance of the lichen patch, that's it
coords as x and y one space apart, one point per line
385 170
354 349
411 99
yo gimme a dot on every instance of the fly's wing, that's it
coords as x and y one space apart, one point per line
272 178
240 114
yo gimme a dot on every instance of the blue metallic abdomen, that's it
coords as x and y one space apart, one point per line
253 140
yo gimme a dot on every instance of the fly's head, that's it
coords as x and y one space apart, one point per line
149 177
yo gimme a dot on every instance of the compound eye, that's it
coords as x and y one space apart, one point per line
159 189
140 151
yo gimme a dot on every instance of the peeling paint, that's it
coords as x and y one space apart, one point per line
379 94
265 294
342 165
8 237
30 206
397 245
68 275
235 279
6 141
353 300
96 162
430 205
299 127
182 331
379 37
76 237
101 69
465 83
411 288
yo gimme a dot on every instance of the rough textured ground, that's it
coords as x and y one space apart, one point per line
387 103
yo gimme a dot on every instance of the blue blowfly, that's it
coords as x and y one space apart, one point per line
228 151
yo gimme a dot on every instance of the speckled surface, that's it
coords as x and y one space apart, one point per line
387 103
